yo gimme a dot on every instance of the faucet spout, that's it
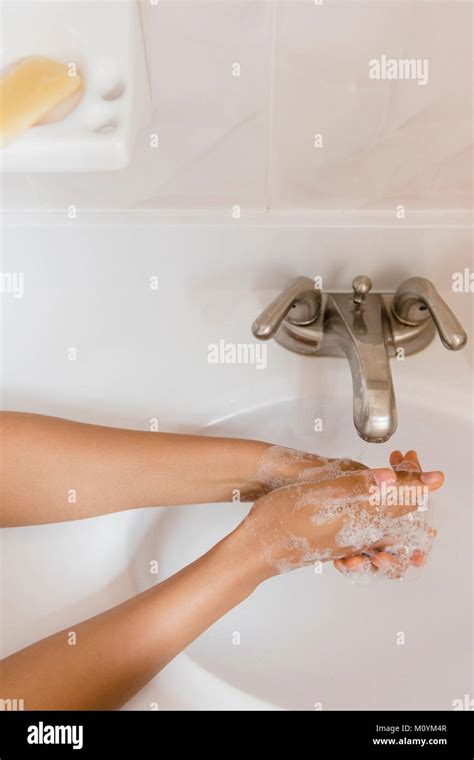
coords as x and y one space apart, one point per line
359 331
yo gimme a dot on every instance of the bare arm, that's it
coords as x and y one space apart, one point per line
53 469
44 459
118 652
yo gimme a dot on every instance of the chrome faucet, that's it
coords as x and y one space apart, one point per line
368 328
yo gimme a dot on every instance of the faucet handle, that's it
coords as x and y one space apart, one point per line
361 286
299 293
416 299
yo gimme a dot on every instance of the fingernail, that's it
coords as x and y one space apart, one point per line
418 558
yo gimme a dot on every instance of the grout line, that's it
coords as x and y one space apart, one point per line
271 108
32 218
145 20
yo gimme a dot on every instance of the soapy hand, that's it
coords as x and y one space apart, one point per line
393 560
334 519
281 466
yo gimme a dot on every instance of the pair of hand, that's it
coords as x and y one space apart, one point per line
333 510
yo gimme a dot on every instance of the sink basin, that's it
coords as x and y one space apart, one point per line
308 640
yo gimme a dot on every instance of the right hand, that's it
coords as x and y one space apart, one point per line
301 523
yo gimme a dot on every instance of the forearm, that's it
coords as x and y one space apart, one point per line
54 469
118 652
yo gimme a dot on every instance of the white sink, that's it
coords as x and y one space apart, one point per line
305 639
312 641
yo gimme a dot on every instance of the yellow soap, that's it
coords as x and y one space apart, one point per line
30 90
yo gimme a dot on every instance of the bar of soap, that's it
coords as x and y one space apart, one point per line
30 91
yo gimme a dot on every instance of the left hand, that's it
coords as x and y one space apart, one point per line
281 466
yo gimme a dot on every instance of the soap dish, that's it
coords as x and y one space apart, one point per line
104 40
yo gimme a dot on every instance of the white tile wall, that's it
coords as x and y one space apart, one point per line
384 142
143 352
247 140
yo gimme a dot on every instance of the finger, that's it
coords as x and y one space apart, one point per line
353 466
346 563
418 558
372 553
356 564
384 560
433 480
403 498
411 464
389 565
408 463
407 496
341 565
381 475
366 478
412 457
411 492
395 458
